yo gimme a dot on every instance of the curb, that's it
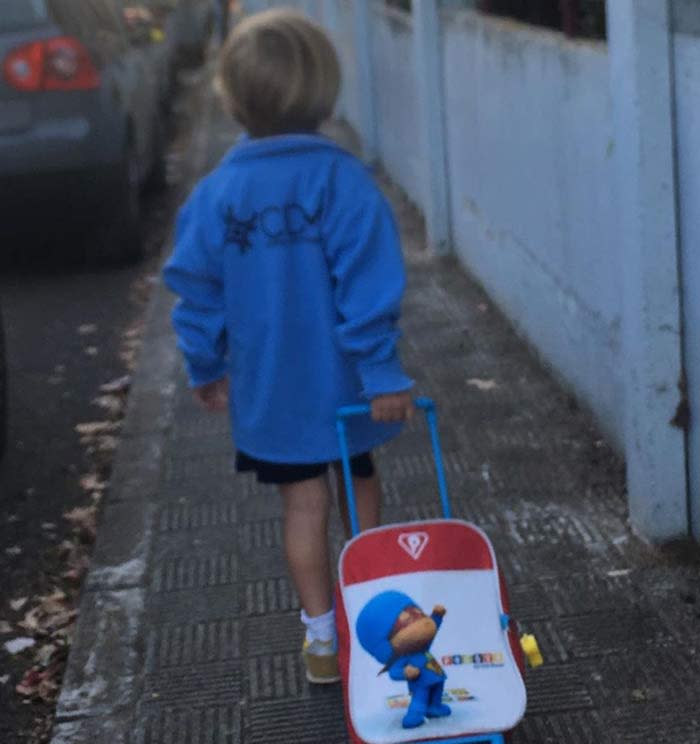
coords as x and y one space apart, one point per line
103 675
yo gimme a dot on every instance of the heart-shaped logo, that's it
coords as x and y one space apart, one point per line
414 543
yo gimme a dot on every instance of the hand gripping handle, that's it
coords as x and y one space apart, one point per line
428 407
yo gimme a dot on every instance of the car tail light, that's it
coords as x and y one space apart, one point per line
61 63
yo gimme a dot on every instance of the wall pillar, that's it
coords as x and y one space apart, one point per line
642 95
431 100
687 79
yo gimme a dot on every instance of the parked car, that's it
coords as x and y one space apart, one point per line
80 121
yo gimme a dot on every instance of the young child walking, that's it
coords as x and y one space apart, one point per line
289 272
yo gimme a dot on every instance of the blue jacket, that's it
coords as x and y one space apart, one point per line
289 271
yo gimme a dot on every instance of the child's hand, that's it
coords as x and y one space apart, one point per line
393 407
213 396
411 672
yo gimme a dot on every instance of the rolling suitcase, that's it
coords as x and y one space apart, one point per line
427 649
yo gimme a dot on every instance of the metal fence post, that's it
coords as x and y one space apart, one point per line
431 100
363 48
642 93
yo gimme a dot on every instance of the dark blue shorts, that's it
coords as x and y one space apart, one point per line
281 473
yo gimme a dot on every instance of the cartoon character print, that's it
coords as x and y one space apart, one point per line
398 634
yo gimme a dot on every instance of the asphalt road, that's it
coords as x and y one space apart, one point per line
65 327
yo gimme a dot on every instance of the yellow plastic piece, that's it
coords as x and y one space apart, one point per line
157 36
531 650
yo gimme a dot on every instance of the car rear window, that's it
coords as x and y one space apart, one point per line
16 15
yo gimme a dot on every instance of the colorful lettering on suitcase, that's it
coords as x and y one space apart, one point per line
468 681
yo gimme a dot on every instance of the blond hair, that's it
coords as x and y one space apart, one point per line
279 73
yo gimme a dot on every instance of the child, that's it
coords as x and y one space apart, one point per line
289 271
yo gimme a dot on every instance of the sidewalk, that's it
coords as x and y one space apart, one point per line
189 629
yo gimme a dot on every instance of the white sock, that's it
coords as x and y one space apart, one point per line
321 628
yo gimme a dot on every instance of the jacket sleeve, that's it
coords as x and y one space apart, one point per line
364 255
195 273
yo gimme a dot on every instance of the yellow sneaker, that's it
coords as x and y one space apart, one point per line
321 661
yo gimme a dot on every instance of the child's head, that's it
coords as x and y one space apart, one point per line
279 73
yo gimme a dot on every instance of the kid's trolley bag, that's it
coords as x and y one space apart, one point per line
427 649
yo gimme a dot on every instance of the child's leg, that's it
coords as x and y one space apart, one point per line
306 510
368 495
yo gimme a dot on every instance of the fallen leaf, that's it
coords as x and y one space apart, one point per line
54 602
12 519
29 686
483 385
49 526
4 679
86 329
78 568
18 603
95 428
45 653
56 380
91 351
5 627
482 307
17 645
31 620
640 695
107 443
619 572
92 482
113 404
66 547
120 385
48 689
84 520
13 551
51 614
133 332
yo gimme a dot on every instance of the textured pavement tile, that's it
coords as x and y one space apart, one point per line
217 682
582 727
186 605
316 721
553 688
189 723
180 645
183 516
649 723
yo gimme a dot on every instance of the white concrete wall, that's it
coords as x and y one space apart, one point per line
398 117
529 133
344 37
687 78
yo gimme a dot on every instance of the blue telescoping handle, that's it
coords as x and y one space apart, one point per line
428 407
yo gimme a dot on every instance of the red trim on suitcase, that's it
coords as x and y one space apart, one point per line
441 545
